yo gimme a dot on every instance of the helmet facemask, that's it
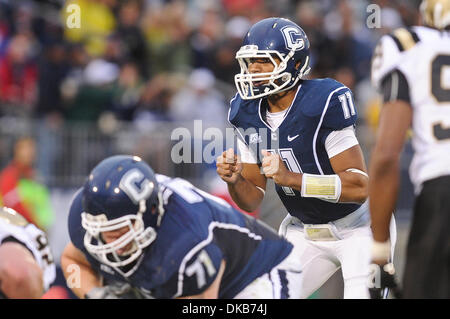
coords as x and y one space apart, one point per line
279 80
137 236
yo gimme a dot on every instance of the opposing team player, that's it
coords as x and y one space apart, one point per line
137 234
26 263
300 133
411 67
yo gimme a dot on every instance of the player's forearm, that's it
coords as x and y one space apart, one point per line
245 194
354 186
16 282
20 275
383 188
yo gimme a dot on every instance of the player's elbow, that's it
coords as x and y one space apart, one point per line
21 281
249 208
362 194
357 189
248 203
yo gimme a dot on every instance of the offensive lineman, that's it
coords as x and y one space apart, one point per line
411 67
136 234
300 133
26 263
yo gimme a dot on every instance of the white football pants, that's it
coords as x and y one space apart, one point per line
321 259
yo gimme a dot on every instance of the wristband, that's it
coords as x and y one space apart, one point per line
381 251
326 187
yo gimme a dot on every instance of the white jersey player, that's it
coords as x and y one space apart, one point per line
411 67
27 268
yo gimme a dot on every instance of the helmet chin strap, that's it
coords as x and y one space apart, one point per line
160 208
142 206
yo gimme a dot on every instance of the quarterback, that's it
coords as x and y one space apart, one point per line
310 152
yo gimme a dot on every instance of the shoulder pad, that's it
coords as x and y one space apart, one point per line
341 110
240 108
404 38
12 217
389 51
316 94
234 108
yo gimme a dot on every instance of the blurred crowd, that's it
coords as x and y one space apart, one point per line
142 62
153 60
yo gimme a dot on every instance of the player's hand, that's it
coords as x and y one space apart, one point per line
229 166
274 168
114 291
382 276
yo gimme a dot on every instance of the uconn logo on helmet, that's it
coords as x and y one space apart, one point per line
136 186
292 38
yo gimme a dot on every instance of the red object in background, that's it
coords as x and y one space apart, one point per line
9 179
241 7
17 82
56 292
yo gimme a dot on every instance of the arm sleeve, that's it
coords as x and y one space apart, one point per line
385 58
339 141
388 54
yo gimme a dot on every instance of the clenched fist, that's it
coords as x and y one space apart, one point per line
273 167
229 166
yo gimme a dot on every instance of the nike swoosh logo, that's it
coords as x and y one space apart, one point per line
290 139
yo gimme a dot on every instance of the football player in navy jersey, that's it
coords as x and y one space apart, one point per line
136 234
300 133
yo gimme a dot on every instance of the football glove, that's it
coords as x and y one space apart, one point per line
382 277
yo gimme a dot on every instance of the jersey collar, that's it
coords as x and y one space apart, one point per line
262 115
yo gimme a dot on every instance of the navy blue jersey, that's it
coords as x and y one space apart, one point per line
320 106
197 232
